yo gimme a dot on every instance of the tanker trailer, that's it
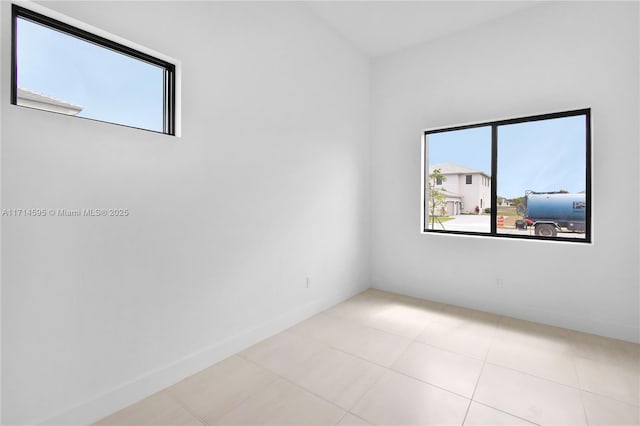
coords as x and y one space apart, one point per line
553 212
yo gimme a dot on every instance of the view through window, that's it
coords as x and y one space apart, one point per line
63 69
525 178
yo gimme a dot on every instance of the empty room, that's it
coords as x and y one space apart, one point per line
320 213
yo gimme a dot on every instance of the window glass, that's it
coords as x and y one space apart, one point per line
455 204
540 187
64 73
542 178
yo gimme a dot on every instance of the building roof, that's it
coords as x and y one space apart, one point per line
455 169
28 97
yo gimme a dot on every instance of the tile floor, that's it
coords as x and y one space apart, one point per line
386 359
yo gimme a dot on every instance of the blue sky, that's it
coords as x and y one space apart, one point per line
108 85
469 148
546 155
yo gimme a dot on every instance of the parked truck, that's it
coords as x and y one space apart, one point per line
549 213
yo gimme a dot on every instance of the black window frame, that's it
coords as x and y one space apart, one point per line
494 124
169 86
468 179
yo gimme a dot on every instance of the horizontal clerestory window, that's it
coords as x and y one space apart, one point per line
61 68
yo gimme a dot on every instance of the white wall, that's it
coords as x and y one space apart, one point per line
554 57
268 185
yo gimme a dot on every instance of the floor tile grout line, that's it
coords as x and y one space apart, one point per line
575 370
365 393
364 324
571 352
466 413
431 345
609 363
486 357
473 394
183 406
361 324
341 418
579 389
361 418
608 360
349 353
291 382
224 412
532 375
361 358
388 369
385 368
429 321
414 340
506 412
428 383
612 399
496 322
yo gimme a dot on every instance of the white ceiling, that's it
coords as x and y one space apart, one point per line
380 27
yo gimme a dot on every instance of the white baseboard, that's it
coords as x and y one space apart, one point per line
128 393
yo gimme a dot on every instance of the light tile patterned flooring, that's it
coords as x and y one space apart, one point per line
385 359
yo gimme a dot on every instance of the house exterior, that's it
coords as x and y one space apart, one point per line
464 188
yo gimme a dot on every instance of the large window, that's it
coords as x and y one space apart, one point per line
60 68
526 177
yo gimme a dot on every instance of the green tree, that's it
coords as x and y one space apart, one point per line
516 201
519 204
437 200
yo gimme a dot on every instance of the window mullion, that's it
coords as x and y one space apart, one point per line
494 180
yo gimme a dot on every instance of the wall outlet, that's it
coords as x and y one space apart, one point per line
308 282
499 282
